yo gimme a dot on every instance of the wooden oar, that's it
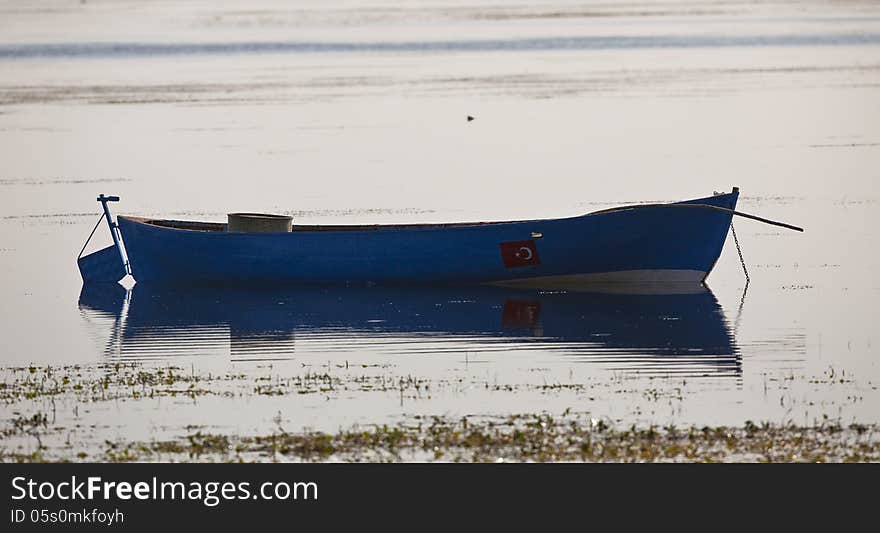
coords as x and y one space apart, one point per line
710 207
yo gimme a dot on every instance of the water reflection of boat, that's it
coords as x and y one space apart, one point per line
686 331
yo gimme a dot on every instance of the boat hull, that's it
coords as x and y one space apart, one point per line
638 245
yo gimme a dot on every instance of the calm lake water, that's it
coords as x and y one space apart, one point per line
356 113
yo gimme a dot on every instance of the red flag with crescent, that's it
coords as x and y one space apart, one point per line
519 253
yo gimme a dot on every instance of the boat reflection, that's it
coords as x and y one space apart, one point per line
641 330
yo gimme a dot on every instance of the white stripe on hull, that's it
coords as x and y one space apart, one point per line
625 280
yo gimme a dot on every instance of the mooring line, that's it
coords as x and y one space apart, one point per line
740 252
98 223
742 300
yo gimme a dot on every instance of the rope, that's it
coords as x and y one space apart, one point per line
742 301
100 217
740 252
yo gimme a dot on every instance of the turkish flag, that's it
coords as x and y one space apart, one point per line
519 253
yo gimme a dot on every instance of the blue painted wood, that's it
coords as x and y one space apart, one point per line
103 266
648 239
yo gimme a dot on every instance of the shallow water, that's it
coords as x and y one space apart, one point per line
356 114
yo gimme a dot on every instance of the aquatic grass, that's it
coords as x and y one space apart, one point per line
32 392
22 424
102 382
522 438
135 381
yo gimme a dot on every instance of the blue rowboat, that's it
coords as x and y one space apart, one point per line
647 243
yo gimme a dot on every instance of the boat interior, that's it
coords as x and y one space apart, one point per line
222 226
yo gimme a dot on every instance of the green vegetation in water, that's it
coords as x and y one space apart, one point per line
517 438
134 381
33 434
104 382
